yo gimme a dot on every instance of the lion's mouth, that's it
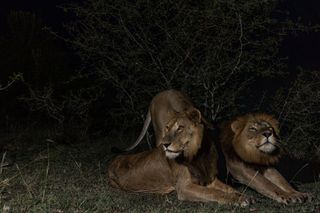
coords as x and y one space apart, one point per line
171 154
267 147
265 143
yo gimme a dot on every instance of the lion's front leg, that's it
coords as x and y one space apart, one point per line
257 181
276 178
217 184
186 190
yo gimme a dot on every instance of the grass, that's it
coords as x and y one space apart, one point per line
50 177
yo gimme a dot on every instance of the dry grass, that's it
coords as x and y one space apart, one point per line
71 178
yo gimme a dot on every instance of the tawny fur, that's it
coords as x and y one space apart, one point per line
251 166
195 180
164 108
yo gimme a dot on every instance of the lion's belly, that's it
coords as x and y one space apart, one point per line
142 172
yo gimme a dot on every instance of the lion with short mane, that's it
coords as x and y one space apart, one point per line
184 159
167 108
250 144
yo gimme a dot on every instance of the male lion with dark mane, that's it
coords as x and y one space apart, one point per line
184 159
250 144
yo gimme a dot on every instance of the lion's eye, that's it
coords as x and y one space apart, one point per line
180 128
253 129
167 128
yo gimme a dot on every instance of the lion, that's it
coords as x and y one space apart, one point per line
184 159
169 168
250 144
169 107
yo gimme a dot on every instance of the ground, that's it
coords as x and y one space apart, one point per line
52 177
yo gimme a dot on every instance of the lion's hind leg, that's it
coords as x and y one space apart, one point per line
113 171
142 172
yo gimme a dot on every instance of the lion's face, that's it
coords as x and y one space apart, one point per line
183 135
256 137
261 135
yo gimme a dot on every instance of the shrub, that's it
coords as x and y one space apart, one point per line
212 50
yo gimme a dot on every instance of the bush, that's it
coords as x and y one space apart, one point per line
224 54
212 50
298 109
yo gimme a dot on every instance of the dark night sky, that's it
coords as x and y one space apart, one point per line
47 10
302 50
50 13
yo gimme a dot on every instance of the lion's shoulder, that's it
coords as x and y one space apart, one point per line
203 166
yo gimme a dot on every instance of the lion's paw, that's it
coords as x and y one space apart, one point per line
301 197
244 201
296 197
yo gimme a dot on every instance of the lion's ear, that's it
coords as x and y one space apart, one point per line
236 126
194 115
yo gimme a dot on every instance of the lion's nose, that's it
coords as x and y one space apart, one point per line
166 145
267 134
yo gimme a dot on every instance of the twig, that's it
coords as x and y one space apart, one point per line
2 162
29 190
245 189
47 174
294 176
14 78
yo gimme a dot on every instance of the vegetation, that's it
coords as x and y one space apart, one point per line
224 54
97 80
212 50
299 113
50 177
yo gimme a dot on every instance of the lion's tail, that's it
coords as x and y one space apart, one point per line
142 134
